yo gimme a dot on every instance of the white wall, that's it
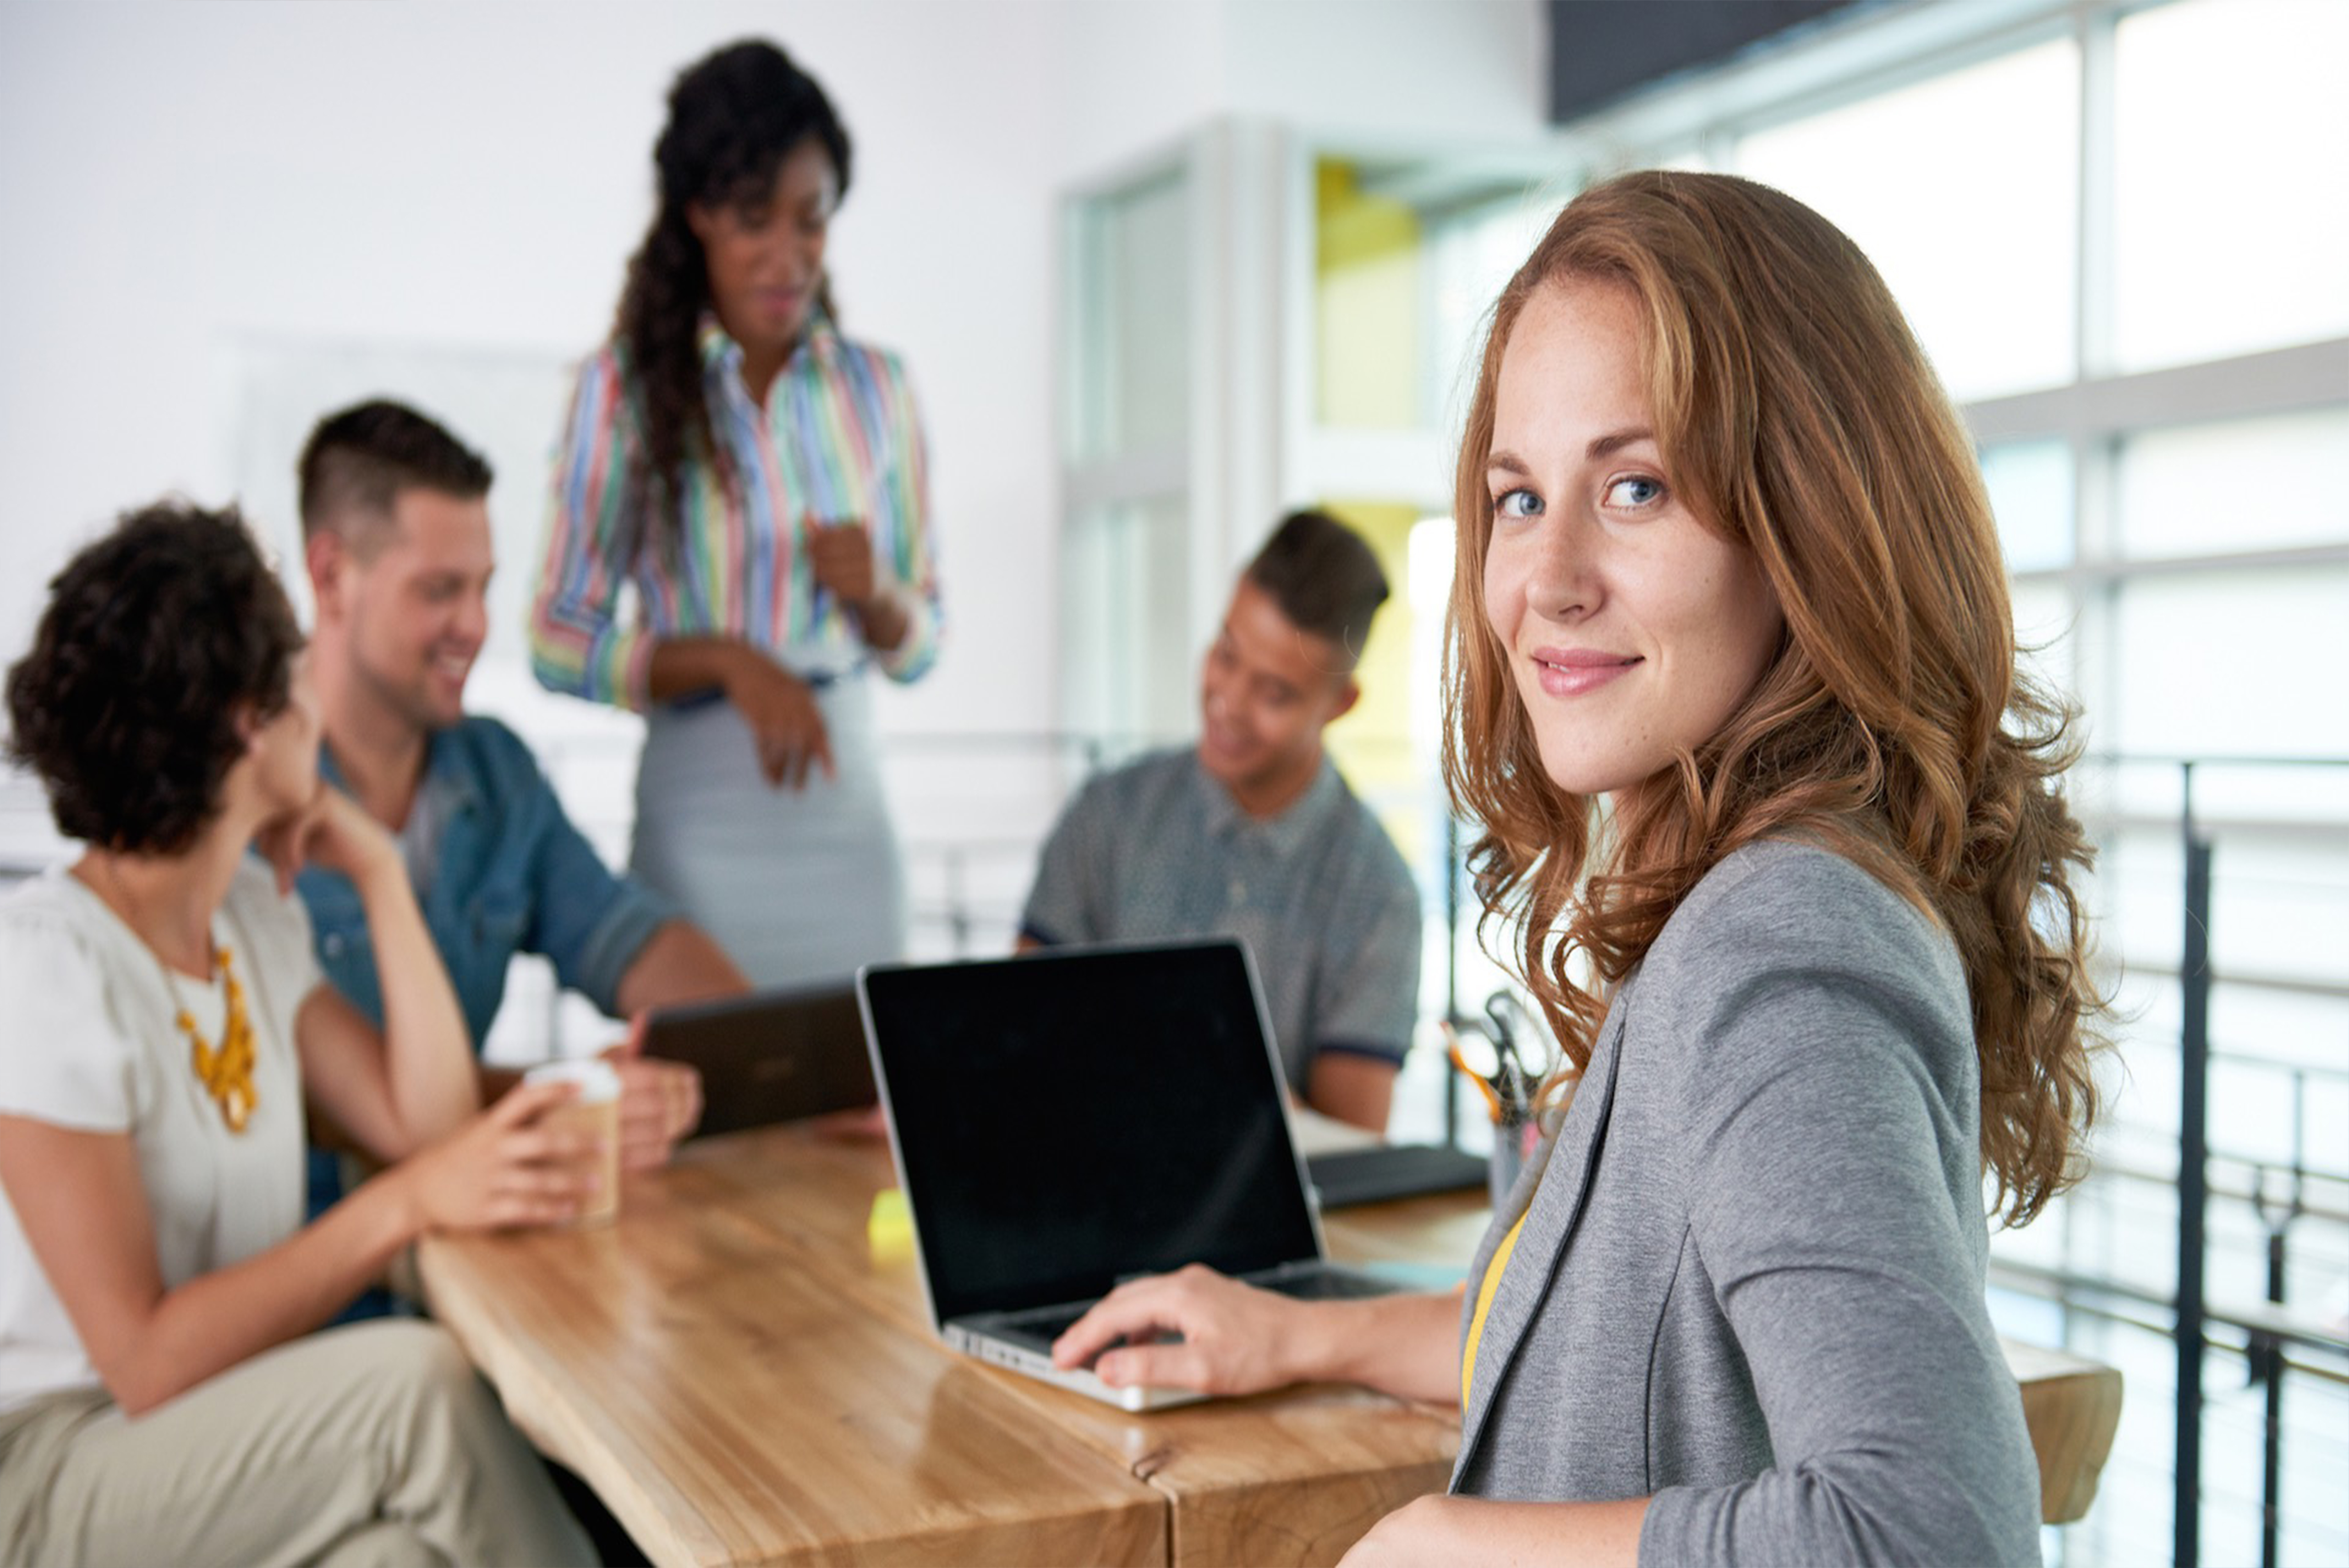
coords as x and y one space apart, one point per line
217 213
185 182
1142 72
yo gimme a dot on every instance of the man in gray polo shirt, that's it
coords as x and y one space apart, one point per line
1252 833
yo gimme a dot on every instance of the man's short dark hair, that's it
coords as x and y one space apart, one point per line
356 462
1324 577
157 638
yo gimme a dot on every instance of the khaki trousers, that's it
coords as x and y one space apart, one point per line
374 1444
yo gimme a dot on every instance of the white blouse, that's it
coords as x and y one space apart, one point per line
89 1041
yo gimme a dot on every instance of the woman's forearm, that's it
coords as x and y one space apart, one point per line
221 1319
686 666
1441 1529
1404 1345
427 1050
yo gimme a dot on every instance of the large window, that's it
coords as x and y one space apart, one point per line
1974 229
2230 217
2121 231
1125 594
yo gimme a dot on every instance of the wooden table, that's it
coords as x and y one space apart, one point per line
743 1379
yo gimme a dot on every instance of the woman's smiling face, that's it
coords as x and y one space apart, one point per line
765 255
1633 628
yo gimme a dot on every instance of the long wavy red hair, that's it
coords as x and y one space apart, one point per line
1796 414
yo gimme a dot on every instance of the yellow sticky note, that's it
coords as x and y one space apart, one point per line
889 1232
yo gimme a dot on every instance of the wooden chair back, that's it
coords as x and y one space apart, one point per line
2072 1407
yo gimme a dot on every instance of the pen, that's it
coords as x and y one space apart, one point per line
1484 1085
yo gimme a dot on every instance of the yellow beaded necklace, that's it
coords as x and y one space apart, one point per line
225 1070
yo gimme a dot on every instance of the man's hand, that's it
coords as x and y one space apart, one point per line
867 1124
660 1101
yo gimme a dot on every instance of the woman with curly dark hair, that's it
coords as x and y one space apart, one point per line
758 480
161 1396
1725 563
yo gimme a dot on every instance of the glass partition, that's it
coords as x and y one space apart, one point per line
2230 199
1964 189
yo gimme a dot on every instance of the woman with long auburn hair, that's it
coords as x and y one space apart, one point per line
1774 825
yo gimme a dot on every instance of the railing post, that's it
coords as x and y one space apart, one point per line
2193 1180
2266 1351
2267 1358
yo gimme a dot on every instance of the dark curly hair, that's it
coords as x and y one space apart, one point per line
733 118
156 640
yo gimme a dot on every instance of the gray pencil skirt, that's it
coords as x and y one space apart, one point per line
799 886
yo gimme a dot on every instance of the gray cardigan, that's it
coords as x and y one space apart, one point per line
1749 1282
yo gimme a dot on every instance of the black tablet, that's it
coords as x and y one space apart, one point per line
773 1056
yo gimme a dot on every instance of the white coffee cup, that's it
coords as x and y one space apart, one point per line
595 1109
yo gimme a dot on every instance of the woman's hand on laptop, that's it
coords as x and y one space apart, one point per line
1197 1329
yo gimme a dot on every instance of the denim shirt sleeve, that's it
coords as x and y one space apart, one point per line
588 922
510 874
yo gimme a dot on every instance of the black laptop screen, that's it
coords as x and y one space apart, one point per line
1070 1119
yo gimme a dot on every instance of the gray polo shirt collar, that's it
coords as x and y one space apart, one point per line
1280 835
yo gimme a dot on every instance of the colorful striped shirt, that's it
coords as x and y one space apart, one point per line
838 441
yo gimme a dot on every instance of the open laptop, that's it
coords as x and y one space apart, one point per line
1072 1118
776 1056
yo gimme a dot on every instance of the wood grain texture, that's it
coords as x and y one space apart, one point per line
743 1378
1292 1476
1441 1231
708 1377
2072 1407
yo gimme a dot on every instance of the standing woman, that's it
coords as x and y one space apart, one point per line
1724 563
759 481
162 1397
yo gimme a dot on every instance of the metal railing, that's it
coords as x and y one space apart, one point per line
2194 1315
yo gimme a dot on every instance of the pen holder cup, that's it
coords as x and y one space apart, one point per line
1510 1137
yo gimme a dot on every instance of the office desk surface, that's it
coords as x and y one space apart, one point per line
709 1379
743 1379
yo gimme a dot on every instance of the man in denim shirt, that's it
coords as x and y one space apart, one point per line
396 537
